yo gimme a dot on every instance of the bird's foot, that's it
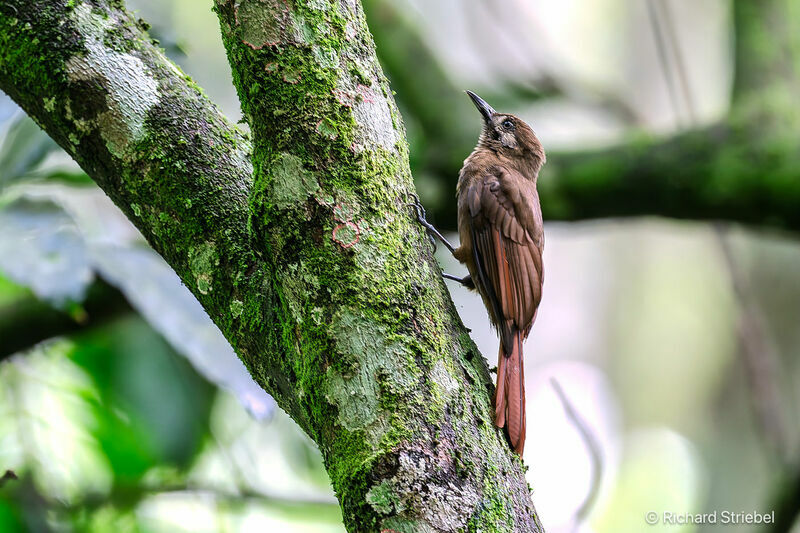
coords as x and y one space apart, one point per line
466 281
433 233
419 213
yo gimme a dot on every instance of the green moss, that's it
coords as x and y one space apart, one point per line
299 288
494 512
306 169
327 128
203 262
29 67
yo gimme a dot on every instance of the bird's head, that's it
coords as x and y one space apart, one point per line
509 136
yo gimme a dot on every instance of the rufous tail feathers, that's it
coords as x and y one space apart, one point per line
509 399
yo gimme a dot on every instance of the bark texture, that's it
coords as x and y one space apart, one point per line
308 259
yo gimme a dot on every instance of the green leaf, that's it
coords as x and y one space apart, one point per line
24 148
45 425
68 177
151 409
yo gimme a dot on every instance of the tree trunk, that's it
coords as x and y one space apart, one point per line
312 265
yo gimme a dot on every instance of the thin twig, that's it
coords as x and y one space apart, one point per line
592 446
761 363
680 67
663 59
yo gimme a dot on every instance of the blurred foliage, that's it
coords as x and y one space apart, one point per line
103 428
25 146
42 249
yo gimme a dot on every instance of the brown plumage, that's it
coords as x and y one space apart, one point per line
500 226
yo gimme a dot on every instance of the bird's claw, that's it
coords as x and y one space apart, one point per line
421 217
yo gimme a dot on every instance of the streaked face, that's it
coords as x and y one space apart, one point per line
503 129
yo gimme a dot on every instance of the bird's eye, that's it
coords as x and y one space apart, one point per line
507 124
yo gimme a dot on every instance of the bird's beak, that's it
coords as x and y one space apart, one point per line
485 109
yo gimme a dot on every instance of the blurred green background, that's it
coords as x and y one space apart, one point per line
123 409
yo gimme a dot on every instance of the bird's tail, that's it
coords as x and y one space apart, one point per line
509 399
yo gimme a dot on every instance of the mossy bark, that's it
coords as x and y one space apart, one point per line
745 168
740 171
309 259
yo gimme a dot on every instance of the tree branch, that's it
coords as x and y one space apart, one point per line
141 129
746 168
316 272
129 496
737 170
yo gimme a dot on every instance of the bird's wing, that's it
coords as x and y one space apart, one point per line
507 237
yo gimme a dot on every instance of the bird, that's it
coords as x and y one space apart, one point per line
501 235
